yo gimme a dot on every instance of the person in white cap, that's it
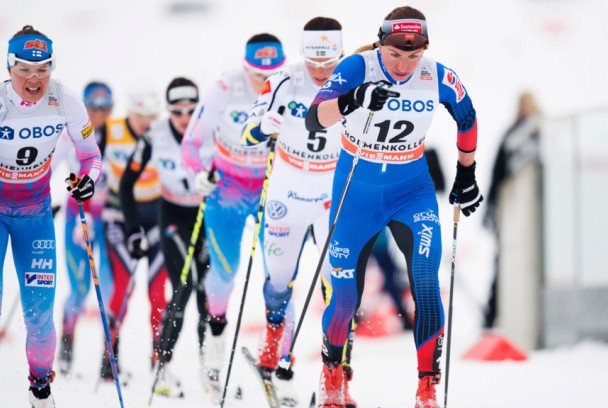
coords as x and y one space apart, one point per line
295 211
34 111
212 145
126 247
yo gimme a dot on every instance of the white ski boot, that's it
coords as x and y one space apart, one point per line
212 358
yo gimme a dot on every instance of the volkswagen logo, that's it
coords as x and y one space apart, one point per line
276 209
43 244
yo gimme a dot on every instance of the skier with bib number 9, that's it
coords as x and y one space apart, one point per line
386 97
34 110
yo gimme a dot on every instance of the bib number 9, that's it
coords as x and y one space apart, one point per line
26 156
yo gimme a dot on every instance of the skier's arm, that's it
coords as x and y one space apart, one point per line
80 130
135 167
263 119
199 134
453 95
325 111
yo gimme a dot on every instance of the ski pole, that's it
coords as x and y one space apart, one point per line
171 232
73 180
450 310
323 254
272 143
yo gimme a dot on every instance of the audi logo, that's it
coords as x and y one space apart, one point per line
43 244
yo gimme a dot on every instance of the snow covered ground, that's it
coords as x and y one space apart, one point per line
554 48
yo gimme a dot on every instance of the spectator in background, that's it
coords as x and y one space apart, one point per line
519 146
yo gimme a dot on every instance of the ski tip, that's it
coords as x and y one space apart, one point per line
239 393
313 400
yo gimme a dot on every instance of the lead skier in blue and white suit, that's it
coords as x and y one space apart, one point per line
34 111
386 98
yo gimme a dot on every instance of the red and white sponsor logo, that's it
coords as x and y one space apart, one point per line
266 52
451 80
408 27
35 279
37 44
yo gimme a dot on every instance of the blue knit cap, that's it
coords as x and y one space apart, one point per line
264 55
98 95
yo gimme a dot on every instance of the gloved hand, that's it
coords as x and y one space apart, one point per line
271 123
137 243
83 189
205 182
369 95
465 191
78 234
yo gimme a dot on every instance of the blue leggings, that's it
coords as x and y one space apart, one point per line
401 197
78 268
33 244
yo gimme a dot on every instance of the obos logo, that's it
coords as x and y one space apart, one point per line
43 244
6 133
276 209
35 132
297 109
45 280
405 105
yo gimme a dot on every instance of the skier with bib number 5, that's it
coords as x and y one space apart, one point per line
386 97
34 111
293 212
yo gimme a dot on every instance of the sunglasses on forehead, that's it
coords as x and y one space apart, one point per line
180 111
405 41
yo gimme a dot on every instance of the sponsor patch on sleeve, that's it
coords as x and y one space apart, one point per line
87 131
451 80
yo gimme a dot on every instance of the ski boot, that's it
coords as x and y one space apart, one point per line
348 376
211 361
425 395
331 387
40 391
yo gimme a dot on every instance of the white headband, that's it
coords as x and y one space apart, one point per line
321 44
182 92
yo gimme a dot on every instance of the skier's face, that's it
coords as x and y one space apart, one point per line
400 64
99 116
181 113
320 69
30 81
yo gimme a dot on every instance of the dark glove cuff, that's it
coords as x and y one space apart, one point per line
464 172
347 103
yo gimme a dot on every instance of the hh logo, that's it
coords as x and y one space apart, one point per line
340 273
44 280
41 263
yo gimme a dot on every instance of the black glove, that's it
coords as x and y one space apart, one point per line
82 189
370 95
465 191
137 243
